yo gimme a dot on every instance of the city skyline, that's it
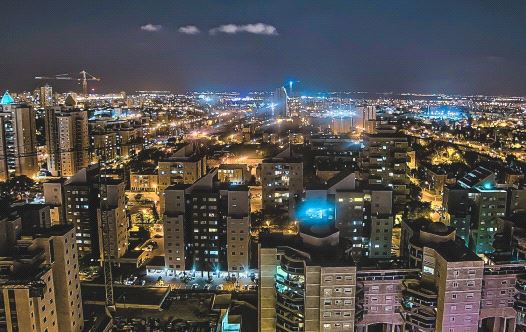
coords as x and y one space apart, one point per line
269 166
461 48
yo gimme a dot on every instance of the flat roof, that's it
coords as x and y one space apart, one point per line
318 256
129 295
156 261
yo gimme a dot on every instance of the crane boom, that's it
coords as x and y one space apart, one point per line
84 78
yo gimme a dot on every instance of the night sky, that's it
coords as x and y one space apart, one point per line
377 46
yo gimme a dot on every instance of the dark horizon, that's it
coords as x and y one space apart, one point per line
466 48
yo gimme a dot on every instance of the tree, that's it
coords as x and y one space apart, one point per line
17 188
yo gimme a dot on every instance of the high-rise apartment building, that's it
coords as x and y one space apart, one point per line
46 96
82 204
207 226
474 206
116 138
384 161
281 182
447 295
304 290
58 242
365 119
279 103
39 279
363 215
112 211
184 166
67 141
18 153
365 218
310 283
54 197
456 289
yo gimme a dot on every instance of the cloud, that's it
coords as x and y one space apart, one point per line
256 28
189 30
151 27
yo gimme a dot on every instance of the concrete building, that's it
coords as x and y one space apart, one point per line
144 180
305 290
365 218
113 209
34 217
233 173
281 182
478 196
446 297
104 145
39 280
67 141
58 242
456 289
82 205
18 153
185 166
207 226
363 215
365 120
310 283
46 96
54 196
279 103
384 161
115 139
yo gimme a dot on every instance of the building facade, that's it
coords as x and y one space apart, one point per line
207 226
67 141
18 150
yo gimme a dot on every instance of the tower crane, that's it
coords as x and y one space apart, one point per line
106 244
83 77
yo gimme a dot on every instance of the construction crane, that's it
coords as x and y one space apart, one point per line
106 244
84 78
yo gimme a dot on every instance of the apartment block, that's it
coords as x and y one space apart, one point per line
185 166
18 150
383 161
281 182
207 226
67 140
82 205
39 278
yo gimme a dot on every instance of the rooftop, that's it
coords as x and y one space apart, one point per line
475 177
334 256
128 295
7 99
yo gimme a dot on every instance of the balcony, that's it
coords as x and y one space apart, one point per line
358 313
292 263
290 296
422 319
293 283
359 309
291 317
284 326
520 283
294 308
520 297
416 294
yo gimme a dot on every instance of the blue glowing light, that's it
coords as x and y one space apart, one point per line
443 112
488 185
315 211
7 99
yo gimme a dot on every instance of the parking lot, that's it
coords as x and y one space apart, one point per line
180 313
204 283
